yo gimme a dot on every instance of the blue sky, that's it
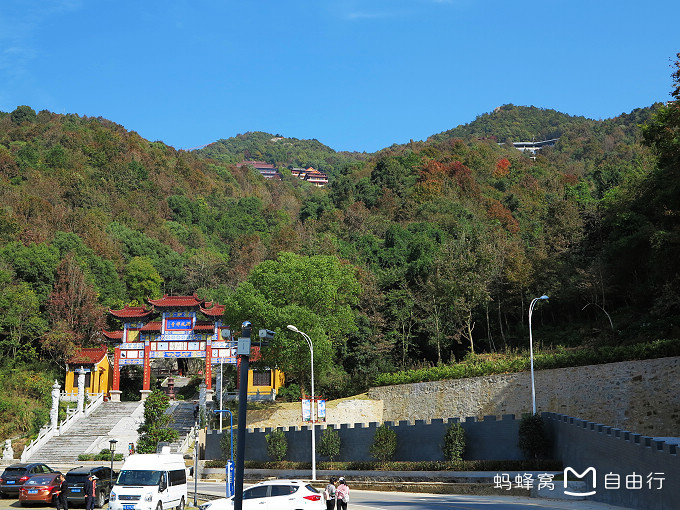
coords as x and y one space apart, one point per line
354 74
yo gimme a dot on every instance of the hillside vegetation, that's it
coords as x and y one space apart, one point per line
412 257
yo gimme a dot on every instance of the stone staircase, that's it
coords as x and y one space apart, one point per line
112 420
182 419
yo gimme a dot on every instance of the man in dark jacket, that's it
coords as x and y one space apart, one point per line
90 491
61 500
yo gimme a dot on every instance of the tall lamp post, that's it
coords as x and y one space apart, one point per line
112 448
313 414
531 350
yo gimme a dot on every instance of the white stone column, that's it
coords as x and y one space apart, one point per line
202 397
81 390
54 412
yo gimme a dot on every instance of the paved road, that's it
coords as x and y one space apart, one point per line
373 500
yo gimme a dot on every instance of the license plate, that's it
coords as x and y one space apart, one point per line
10 482
75 490
33 491
128 507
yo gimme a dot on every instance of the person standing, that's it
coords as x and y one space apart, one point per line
329 494
90 491
60 499
342 494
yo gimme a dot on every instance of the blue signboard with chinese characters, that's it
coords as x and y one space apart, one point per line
179 324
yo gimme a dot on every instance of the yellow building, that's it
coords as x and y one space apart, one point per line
98 371
262 383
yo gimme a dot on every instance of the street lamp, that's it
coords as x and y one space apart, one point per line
313 414
531 350
112 448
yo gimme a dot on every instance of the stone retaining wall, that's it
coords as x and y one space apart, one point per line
641 396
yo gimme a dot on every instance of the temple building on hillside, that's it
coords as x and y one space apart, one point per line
176 327
311 175
98 373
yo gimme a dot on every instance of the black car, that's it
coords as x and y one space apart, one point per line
75 484
15 475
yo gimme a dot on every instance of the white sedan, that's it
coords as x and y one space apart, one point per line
273 495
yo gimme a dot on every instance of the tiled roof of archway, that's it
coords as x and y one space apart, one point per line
130 312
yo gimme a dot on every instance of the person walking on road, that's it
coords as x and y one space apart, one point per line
329 494
342 494
90 491
60 499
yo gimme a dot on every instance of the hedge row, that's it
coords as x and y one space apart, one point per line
463 465
481 365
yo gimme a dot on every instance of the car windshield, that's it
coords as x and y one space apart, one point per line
135 477
76 478
14 471
40 480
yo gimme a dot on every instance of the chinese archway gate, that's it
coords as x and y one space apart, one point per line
169 329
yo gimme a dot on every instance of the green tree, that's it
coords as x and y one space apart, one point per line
316 294
384 444
155 427
20 321
142 280
454 442
23 114
329 443
277 445
533 438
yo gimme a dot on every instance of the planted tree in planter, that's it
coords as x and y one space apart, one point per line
384 443
454 442
277 445
329 444
533 439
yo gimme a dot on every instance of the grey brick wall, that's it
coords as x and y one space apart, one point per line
487 439
582 444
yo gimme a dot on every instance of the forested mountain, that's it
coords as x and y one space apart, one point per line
281 151
414 255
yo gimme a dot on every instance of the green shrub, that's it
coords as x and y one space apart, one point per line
454 443
225 444
533 440
464 465
329 445
474 365
384 443
289 393
277 445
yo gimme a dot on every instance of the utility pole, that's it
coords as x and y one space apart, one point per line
243 352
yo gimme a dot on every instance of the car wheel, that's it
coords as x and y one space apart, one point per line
181 504
101 499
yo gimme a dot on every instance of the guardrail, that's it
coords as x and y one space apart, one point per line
94 404
47 432
188 440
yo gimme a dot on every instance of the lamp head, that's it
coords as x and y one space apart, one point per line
293 328
544 297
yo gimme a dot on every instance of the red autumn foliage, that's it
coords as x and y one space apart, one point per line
502 168
498 211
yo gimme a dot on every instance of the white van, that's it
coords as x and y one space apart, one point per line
150 482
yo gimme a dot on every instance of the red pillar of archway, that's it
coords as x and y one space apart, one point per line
146 385
208 366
